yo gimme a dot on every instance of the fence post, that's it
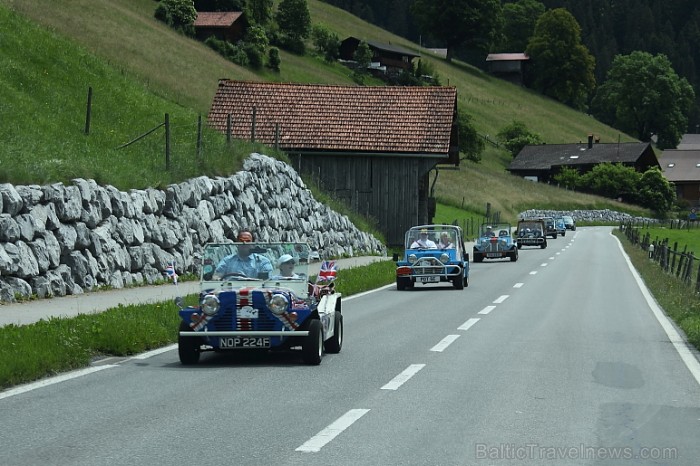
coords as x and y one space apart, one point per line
277 136
199 136
228 129
167 141
252 126
88 112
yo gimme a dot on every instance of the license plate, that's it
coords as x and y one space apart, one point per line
244 342
429 279
493 254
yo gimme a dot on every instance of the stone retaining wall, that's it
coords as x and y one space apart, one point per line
608 216
57 240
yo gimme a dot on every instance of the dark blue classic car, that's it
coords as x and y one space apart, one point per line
495 241
433 254
256 296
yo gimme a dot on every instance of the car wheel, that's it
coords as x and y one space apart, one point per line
335 343
312 347
458 282
514 256
188 347
520 246
544 245
466 282
402 283
478 257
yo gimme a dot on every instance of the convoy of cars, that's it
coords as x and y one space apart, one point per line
432 254
495 242
560 225
268 309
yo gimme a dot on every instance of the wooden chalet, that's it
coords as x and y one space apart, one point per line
394 58
542 162
371 147
224 25
682 168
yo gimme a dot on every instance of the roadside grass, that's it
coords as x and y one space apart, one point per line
49 347
677 299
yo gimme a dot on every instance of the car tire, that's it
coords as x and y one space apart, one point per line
478 257
335 343
312 346
458 281
466 282
188 347
543 245
520 246
402 283
514 256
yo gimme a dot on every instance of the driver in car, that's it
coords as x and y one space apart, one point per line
245 262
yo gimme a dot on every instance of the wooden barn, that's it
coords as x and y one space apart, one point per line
393 57
372 147
224 25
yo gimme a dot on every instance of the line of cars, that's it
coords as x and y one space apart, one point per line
435 253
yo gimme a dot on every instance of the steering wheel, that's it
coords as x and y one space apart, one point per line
234 275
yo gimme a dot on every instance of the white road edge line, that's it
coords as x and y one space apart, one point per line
679 343
53 380
403 377
444 343
467 325
315 443
500 299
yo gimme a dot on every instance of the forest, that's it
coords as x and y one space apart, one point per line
608 28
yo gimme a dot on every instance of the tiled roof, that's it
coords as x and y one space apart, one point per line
689 141
216 18
313 117
681 165
545 156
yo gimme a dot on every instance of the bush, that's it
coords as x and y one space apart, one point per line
273 59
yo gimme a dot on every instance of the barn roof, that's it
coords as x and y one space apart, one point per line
315 117
681 165
216 18
545 156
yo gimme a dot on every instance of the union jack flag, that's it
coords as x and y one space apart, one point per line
170 272
327 272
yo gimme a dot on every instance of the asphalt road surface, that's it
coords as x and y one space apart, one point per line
559 358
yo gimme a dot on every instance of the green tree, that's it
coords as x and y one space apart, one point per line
561 66
644 96
294 21
472 23
273 59
613 180
519 24
260 11
470 144
326 41
363 57
656 192
568 178
178 14
255 45
515 136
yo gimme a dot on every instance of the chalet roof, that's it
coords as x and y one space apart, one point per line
386 47
545 156
216 18
681 165
313 117
689 141
507 57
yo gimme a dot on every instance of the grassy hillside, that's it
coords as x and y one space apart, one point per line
140 70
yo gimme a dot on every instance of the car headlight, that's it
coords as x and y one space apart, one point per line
444 257
210 305
412 258
279 304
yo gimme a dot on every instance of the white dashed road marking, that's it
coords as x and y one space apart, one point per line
487 309
501 298
470 322
315 443
518 285
444 343
403 377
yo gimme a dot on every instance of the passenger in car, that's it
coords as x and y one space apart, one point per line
445 241
423 242
286 265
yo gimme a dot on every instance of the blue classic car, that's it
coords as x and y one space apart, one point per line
495 241
433 254
256 296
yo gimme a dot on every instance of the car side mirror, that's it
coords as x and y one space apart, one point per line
395 257
466 257
180 302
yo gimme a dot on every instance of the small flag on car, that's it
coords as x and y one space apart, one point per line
170 271
327 272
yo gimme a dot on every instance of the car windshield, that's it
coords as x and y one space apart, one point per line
497 229
529 227
432 237
256 262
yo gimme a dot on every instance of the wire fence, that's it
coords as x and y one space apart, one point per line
681 264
